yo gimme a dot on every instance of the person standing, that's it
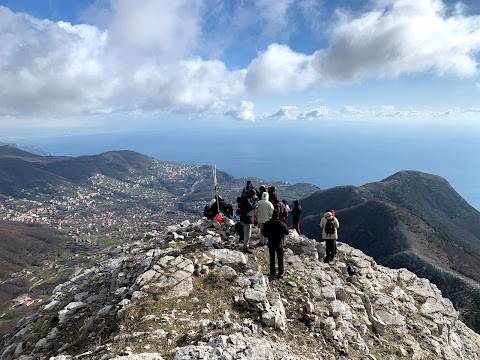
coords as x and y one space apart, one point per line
296 212
247 213
275 230
264 213
284 211
273 198
329 224
247 187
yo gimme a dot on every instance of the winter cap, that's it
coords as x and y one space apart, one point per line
295 202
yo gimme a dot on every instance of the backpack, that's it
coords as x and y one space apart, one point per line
330 226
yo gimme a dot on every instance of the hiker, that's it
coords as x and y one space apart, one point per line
261 190
273 198
296 211
247 213
275 230
329 225
247 187
236 219
264 213
284 209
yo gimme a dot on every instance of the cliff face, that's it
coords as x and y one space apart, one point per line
188 293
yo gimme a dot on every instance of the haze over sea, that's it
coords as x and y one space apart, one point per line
325 155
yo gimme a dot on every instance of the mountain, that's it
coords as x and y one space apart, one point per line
410 220
113 196
186 292
28 148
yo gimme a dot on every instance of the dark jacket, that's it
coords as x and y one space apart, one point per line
214 209
296 211
247 207
275 230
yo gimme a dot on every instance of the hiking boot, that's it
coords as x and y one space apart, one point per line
326 259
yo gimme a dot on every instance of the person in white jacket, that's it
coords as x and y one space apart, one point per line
329 224
264 213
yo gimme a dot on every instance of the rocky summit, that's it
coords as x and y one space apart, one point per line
187 292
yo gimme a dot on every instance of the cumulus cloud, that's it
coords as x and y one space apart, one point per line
61 69
243 112
279 69
401 37
51 67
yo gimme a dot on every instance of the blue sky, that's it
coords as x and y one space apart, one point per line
124 64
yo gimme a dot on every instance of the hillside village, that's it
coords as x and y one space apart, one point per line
107 208
188 293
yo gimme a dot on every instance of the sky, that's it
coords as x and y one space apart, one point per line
116 65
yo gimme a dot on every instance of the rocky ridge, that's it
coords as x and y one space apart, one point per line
188 293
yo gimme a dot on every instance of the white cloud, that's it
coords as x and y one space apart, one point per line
243 112
52 68
350 110
315 113
279 69
63 69
472 110
400 37
285 112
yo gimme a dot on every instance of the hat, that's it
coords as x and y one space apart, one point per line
295 202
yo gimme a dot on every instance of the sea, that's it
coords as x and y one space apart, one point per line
325 155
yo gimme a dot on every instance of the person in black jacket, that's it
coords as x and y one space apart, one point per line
247 212
296 211
275 230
